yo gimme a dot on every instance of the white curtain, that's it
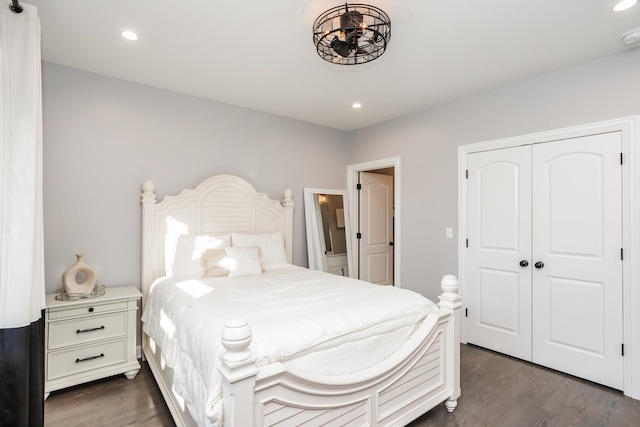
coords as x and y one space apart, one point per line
22 294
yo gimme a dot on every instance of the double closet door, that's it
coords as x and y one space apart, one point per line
544 265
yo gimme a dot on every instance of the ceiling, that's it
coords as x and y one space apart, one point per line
260 55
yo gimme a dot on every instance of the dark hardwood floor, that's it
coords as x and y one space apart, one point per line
497 391
114 401
501 391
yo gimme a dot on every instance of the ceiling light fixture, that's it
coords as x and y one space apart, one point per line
15 7
356 105
129 35
351 34
624 5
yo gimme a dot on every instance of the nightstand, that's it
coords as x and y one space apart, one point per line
91 338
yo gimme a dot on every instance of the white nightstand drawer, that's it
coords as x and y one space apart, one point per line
87 329
85 358
89 309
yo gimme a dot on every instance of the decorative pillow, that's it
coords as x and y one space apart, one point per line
272 252
215 263
188 253
243 261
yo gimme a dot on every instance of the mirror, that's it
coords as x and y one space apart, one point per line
327 221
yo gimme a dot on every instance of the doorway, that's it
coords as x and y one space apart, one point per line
380 256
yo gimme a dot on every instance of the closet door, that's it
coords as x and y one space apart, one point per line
577 267
499 251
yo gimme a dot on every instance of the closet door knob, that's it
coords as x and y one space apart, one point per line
524 263
539 264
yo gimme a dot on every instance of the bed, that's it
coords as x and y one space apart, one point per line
274 344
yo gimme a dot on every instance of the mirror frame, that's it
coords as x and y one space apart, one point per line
315 237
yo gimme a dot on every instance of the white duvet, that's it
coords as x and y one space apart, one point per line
298 317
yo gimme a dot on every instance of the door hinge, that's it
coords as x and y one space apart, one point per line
358 186
620 158
467 243
466 312
358 235
466 174
621 254
623 349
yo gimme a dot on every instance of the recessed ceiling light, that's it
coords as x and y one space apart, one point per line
356 105
631 37
130 35
624 5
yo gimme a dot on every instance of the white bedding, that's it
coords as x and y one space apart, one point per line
308 320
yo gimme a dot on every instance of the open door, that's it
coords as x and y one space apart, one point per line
376 229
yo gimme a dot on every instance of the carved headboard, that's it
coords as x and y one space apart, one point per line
220 204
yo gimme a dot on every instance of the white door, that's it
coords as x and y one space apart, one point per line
499 238
577 236
555 207
376 228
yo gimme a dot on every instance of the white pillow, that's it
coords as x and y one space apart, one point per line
243 261
272 252
188 253
214 263
170 243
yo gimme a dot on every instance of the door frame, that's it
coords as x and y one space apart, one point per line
630 133
352 180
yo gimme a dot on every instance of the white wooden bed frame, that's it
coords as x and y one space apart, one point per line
423 373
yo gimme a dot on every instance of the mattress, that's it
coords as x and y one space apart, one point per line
308 320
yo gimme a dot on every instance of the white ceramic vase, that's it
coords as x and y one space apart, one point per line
80 278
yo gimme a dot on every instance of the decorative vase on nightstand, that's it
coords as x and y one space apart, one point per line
80 278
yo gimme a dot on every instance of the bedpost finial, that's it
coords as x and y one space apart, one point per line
236 337
288 198
450 298
148 191
148 186
449 285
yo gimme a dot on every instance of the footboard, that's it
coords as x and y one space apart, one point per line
422 374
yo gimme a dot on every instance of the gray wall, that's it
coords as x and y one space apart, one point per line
427 144
103 137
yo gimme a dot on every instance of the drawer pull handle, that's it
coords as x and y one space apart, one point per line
79 331
90 309
90 358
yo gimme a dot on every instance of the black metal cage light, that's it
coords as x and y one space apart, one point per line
351 34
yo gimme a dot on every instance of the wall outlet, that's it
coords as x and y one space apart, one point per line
449 233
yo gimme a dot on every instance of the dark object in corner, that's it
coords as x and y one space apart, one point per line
22 375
